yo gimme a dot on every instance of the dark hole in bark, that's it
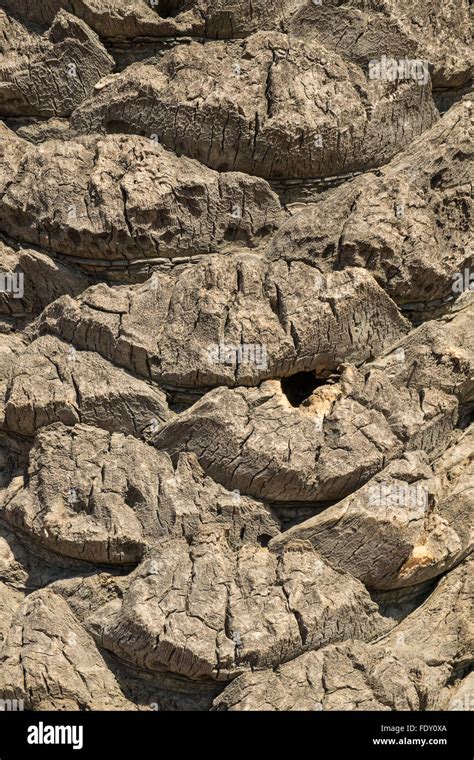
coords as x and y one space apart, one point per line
299 387
264 539
133 497
167 8
117 127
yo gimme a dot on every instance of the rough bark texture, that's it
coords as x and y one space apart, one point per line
438 32
254 440
261 608
408 513
101 214
236 355
170 328
410 225
404 671
272 105
76 387
105 497
49 75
